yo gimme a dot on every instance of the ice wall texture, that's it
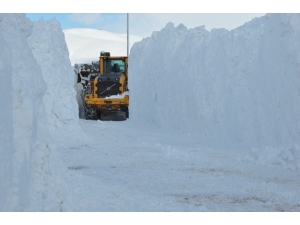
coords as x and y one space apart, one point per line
6 121
50 50
27 179
21 112
230 87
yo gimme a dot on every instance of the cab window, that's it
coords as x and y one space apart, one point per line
114 66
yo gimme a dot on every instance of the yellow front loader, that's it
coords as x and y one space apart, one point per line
106 92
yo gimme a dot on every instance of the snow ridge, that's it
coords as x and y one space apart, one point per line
230 88
51 52
6 121
28 179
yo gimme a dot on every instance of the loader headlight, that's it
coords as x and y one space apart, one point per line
116 79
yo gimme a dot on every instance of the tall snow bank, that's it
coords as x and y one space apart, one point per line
28 181
6 122
51 52
239 87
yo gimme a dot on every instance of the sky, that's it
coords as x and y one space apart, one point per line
143 24
144 18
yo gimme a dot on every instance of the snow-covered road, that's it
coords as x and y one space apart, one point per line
224 106
123 167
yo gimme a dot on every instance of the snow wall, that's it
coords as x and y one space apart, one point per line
51 52
30 113
231 88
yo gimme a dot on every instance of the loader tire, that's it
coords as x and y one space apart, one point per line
127 113
90 113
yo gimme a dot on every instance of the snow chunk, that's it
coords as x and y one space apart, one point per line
287 158
118 96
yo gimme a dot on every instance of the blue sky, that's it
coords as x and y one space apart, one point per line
84 20
148 16
143 24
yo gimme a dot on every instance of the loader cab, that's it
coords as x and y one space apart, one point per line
112 66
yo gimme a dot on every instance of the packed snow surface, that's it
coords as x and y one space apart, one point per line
143 169
214 120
